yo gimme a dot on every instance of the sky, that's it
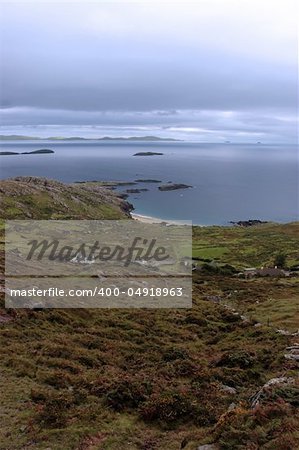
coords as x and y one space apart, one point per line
206 70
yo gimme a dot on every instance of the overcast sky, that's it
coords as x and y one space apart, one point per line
209 70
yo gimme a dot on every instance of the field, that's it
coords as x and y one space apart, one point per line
164 379
247 246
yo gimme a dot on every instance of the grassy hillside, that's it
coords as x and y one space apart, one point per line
268 300
247 247
124 379
40 198
143 379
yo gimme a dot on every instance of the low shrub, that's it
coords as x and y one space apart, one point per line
166 406
174 353
57 378
127 393
241 359
52 407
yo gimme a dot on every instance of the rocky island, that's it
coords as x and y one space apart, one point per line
136 191
149 180
173 187
8 153
42 151
148 154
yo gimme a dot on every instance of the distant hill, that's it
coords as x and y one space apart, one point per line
16 137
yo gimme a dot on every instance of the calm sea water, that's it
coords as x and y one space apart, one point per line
230 182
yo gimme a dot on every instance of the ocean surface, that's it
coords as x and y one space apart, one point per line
230 181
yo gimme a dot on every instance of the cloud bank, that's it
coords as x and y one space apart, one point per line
206 70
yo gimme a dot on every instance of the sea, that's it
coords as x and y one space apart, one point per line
230 182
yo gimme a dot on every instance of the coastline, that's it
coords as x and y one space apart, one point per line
232 224
151 219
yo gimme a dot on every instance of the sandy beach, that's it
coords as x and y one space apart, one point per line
150 219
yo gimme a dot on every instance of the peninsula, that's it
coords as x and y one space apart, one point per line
17 137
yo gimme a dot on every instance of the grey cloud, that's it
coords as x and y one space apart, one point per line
269 125
162 65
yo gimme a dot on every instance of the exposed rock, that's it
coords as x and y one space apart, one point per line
293 347
287 333
292 356
255 399
136 191
293 352
208 447
271 272
173 187
213 298
248 223
228 389
232 406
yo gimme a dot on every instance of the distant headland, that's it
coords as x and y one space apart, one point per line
17 137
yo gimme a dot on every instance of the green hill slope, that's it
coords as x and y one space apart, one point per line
151 380
40 198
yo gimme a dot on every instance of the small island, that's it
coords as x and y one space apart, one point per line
42 151
9 153
148 154
136 191
148 181
173 187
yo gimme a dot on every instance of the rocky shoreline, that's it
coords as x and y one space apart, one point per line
97 192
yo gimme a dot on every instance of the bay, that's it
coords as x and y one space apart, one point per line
230 181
